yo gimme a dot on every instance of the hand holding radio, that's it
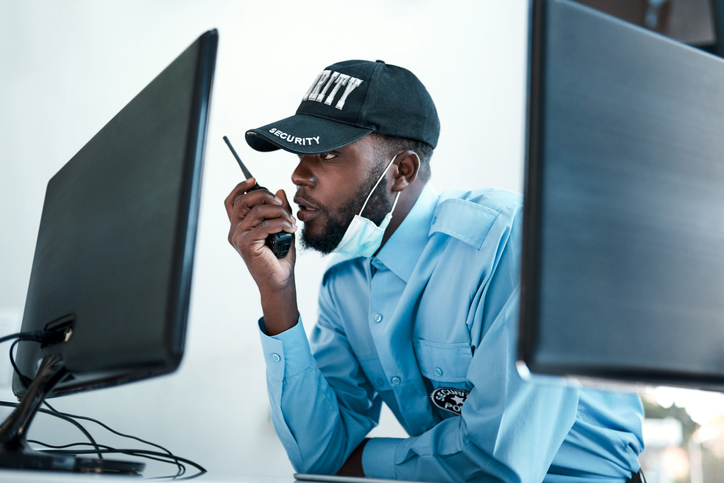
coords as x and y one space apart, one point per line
261 231
254 215
279 243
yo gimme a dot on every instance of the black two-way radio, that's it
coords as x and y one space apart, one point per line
278 242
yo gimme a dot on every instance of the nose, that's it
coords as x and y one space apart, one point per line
303 174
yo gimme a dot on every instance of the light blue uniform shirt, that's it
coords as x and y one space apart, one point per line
438 307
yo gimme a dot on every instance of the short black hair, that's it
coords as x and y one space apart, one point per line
392 145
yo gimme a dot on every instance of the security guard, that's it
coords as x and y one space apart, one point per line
418 311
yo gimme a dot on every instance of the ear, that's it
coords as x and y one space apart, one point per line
407 165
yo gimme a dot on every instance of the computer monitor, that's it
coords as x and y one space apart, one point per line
111 274
694 22
623 251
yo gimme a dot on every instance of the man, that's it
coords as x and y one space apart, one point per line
420 313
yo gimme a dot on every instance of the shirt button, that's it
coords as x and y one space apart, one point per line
377 318
396 380
438 371
380 382
276 357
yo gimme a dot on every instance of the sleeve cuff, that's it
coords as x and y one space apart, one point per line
378 458
286 354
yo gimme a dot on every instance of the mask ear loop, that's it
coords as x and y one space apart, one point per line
375 187
395 202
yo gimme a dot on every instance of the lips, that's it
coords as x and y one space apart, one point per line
307 211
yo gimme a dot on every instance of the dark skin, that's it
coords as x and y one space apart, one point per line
322 180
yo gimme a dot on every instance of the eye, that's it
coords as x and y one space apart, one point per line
327 156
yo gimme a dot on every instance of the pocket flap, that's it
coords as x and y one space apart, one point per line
443 361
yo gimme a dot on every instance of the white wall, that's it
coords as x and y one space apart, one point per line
67 67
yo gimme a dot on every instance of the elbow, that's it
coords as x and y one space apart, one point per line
315 467
322 462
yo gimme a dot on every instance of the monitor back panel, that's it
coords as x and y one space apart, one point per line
623 265
117 234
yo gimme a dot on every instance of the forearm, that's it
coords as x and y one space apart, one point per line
254 215
509 429
478 447
325 432
319 425
353 465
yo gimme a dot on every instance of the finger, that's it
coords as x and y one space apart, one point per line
250 234
261 213
257 215
238 190
271 226
245 202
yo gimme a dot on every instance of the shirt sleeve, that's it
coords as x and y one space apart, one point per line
318 426
509 430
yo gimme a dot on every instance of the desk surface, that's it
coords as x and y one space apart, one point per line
20 476
27 476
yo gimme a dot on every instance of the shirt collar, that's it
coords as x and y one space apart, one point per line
402 251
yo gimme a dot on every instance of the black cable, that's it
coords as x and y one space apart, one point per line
40 336
37 336
70 420
166 457
99 449
136 452
75 423
109 449
10 337
108 428
24 380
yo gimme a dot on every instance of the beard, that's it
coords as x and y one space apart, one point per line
338 221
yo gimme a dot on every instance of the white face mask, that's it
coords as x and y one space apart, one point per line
363 237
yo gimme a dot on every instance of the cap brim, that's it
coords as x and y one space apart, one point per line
302 134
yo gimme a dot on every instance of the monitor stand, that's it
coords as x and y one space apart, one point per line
15 453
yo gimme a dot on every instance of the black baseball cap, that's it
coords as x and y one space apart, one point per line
349 100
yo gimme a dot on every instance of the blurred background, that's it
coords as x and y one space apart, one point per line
66 68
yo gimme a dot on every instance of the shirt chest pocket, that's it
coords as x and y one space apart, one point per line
444 363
